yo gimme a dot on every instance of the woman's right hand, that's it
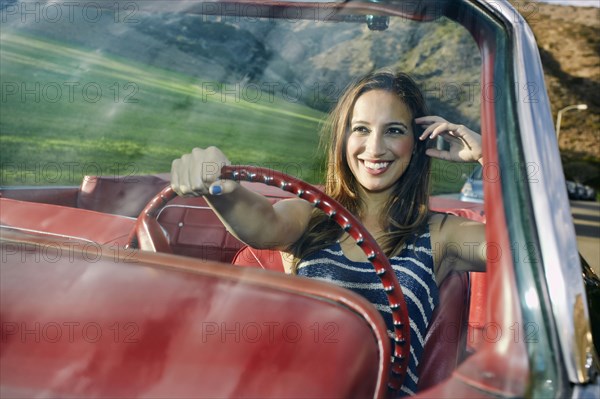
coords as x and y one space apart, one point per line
248 215
465 144
198 173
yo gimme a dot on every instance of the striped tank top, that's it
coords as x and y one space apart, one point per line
414 269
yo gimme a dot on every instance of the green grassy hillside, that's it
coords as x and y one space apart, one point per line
121 112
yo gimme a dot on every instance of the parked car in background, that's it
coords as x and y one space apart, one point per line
112 287
590 193
472 190
572 190
582 192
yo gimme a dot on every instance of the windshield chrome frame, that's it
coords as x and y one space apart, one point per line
551 209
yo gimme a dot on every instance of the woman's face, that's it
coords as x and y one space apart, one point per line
380 140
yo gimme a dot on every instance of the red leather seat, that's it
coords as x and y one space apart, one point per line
445 345
186 328
267 259
119 195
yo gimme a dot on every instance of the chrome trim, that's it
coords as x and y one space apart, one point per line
550 203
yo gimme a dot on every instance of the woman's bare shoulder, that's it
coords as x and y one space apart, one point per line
449 223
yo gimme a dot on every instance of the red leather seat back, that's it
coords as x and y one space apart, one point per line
195 230
445 345
267 259
64 222
156 325
119 195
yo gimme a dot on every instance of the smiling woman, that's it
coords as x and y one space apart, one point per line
378 169
382 140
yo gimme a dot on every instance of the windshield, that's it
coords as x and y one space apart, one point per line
124 89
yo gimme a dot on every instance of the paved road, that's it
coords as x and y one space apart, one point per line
586 217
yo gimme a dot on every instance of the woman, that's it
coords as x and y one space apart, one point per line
378 168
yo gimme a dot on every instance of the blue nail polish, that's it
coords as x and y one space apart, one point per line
216 190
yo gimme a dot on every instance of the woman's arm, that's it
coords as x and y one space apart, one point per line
458 244
247 215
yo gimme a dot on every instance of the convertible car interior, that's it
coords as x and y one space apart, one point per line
94 214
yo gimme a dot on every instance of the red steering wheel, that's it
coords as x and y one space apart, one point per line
149 235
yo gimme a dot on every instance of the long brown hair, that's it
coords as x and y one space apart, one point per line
406 211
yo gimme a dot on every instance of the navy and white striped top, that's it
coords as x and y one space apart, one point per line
414 268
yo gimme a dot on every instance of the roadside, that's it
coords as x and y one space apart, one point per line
586 217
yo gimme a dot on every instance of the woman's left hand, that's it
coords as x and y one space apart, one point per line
465 144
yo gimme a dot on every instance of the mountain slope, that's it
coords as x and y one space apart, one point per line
569 42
